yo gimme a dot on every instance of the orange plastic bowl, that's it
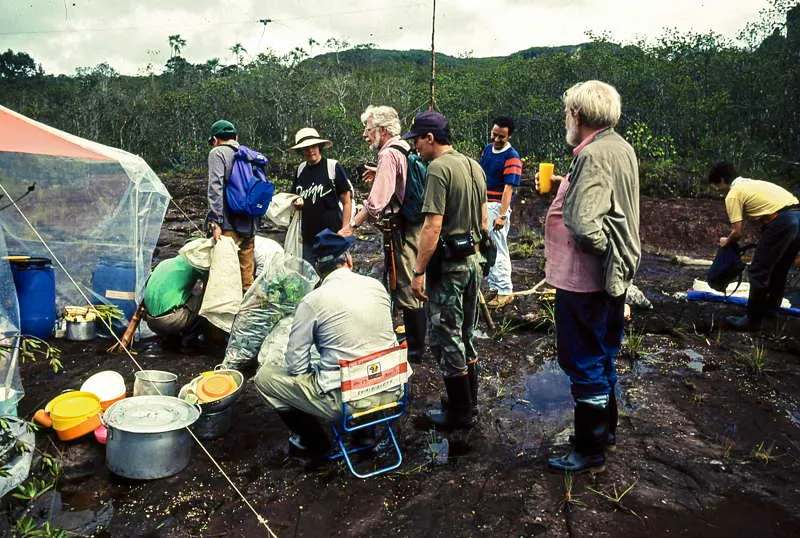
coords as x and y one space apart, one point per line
215 387
105 404
87 426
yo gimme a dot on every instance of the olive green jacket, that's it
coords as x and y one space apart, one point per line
601 207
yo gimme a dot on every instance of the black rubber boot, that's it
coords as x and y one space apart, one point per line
472 373
757 305
313 442
591 437
416 324
613 418
458 414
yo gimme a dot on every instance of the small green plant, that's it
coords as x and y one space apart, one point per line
26 527
727 447
633 344
547 314
764 454
525 243
505 326
615 497
698 398
754 359
31 349
32 489
569 499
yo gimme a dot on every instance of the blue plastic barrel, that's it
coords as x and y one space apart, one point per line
35 281
115 281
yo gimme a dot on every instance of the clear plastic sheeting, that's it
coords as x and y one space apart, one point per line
98 208
273 296
11 390
17 442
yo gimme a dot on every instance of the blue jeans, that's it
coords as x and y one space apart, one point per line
589 329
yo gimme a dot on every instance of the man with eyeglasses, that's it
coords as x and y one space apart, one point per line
388 178
503 167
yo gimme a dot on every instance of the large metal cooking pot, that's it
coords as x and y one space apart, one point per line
147 436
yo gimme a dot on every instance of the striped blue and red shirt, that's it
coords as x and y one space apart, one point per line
504 168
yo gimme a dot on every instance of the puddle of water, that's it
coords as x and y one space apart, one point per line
697 366
439 451
546 393
794 416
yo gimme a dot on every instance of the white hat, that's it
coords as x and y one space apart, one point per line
307 137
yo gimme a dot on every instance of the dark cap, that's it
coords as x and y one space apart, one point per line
329 245
221 127
429 121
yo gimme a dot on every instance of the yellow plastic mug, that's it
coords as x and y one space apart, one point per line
545 177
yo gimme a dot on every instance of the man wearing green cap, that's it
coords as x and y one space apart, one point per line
240 227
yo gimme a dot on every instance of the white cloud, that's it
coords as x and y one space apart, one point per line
129 34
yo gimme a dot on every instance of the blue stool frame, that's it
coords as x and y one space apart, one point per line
341 429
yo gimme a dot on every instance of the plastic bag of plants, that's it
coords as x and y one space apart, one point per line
273 296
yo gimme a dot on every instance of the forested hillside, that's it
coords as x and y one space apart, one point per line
688 99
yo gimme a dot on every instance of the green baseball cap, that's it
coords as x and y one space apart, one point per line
221 127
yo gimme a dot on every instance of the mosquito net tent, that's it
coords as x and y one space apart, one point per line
98 210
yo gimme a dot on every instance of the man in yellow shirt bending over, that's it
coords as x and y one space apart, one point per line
776 209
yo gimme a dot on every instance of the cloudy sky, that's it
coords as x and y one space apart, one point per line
130 34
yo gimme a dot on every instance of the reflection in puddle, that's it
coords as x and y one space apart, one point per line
697 366
795 417
547 393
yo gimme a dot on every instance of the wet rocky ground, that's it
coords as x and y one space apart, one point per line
708 441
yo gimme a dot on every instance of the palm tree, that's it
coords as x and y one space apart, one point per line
176 43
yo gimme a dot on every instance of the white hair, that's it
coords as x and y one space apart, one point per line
383 116
598 103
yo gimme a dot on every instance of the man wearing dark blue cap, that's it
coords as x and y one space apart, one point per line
346 317
448 264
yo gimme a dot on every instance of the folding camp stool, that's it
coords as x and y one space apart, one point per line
365 376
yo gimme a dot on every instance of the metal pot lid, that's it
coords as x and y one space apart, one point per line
151 414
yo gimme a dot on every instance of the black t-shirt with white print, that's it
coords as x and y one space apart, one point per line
321 207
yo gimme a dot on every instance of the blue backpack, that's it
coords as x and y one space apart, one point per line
248 190
416 181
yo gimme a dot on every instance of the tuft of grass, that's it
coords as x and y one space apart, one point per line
727 447
569 499
615 497
547 314
525 243
634 341
506 326
698 399
764 454
754 359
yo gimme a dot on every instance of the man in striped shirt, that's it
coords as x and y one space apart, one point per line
503 168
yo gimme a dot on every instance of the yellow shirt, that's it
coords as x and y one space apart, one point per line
755 198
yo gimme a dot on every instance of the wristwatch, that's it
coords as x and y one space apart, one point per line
417 273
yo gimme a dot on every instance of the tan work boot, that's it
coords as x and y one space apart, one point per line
500 301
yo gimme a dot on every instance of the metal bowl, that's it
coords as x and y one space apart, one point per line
216 405
80 330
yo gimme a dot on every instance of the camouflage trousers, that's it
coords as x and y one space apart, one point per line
453 314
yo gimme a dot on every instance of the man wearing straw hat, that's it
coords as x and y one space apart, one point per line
240 227
325 192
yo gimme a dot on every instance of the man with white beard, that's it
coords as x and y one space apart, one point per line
382 133
592 251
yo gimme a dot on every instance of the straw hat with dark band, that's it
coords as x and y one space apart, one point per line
307 137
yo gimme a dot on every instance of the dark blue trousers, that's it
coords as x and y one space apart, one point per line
589 329
777 248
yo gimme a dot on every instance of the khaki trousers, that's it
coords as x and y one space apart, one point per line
247 261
